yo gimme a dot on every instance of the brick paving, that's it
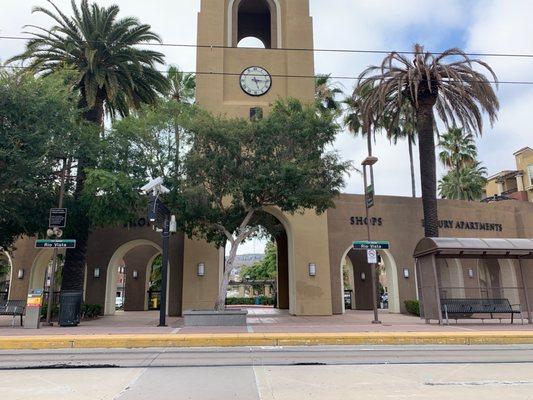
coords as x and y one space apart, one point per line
264 320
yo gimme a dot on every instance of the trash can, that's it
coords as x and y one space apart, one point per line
70 307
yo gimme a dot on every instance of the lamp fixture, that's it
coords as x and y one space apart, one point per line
135 274
96 272
201 269
20 274
470 273
363 276
406 273
312 269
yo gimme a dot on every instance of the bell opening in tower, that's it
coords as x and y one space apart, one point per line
255 19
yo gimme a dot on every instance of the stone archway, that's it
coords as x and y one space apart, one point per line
112 271
391 271
5 285
275 23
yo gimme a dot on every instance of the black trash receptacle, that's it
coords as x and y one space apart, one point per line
70 307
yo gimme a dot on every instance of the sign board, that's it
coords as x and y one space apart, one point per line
34 299
372 245
372 256
55 244
369 198
58 218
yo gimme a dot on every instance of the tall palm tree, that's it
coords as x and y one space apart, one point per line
448 83
111 74
326 93
405 129
182 85
458 150
466 183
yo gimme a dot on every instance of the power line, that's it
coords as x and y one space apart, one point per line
302 49
237 74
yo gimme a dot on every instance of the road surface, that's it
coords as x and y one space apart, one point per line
358 372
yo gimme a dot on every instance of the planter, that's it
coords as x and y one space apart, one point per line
215 318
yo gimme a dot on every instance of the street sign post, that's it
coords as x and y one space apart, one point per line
371 245
55 244
369 198
58 218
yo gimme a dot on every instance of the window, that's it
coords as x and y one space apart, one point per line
530 173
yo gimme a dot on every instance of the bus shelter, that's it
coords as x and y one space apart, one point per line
473 269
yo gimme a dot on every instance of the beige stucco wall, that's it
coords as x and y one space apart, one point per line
523 161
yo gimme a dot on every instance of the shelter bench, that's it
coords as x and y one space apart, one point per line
465 308
14 308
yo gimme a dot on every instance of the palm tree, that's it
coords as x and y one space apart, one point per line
111 74
405 129
466 183
458 150
326 93
182 85
447 83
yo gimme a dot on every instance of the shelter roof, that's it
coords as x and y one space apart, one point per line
475 248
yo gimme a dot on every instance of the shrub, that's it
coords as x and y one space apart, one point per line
55 310
90 311
249 300
412 306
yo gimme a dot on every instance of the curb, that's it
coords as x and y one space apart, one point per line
261 339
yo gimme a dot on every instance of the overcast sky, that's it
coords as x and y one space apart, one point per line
481 26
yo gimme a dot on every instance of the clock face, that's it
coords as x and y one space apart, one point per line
255 81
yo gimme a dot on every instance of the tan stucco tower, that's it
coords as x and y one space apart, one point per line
270 73
278 24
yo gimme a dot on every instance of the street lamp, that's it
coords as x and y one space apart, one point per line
159 214
369 202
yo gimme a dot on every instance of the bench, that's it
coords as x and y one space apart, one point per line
465 308
14 308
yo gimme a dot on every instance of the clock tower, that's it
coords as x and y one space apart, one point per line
240 81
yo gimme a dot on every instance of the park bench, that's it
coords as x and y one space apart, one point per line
14 308
466 308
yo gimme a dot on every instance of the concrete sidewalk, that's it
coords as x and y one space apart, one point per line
266 327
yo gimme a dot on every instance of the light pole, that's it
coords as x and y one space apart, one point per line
159 214
369 202
50 302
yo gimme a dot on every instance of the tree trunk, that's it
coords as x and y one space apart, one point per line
411 161
428 171
74 268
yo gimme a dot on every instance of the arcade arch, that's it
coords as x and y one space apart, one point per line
258 18
112 271
356 260
6 274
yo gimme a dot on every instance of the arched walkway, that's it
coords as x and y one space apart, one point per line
391 271
40 267
112 271
5 280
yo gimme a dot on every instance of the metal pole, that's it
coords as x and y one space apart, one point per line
164 271
50 302
526 294
372 266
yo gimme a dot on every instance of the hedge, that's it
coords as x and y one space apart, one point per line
249 300
412 306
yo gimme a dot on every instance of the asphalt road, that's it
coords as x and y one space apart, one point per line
359 372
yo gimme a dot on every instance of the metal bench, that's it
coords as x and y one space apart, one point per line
14 308
465 308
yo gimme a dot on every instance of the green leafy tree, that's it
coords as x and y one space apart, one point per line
466 184
182 85
237 168
449 83
265 269
111 73
38 125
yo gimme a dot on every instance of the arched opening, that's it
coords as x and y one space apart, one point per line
254 18
265 279
136 258
251 42
6 268
356 281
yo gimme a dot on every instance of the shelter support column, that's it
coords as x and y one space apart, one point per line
526 293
